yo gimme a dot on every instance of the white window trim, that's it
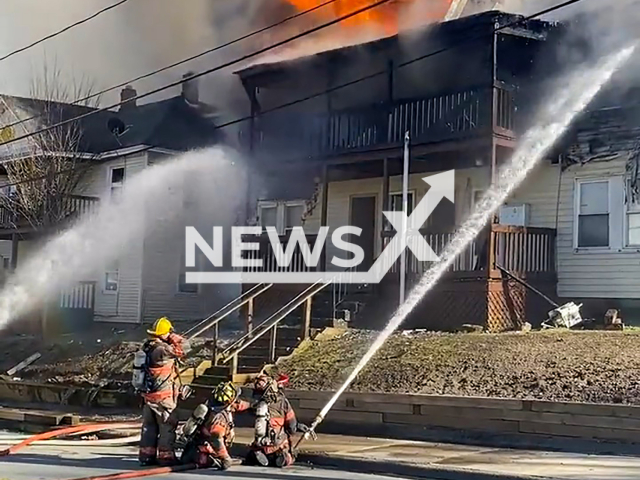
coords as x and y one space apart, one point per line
110 184
280 206
617 215
411 192
104 282
292 203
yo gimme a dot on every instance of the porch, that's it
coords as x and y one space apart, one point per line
474 290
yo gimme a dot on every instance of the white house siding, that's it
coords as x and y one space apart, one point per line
163 257
611 274
123 305
340 193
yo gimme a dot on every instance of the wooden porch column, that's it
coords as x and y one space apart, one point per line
385 192
324 212
390 80
252 92
14 251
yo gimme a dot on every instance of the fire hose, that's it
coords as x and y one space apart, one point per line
76 430
142 473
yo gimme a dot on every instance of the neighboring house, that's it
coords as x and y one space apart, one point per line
148 280
464 109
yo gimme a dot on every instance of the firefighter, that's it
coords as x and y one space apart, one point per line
159 420
275 425
209 445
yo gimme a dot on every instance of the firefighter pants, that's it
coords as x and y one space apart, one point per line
158 437
277 456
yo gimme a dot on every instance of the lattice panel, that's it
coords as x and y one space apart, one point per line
506 309
448 310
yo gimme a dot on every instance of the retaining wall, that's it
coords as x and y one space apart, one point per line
417 416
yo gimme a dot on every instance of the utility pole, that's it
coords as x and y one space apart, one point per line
405 210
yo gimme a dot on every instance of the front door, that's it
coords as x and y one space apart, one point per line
362 214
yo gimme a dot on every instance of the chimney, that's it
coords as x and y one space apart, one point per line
126 94
190 89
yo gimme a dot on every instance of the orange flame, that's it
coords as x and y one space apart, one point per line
386 17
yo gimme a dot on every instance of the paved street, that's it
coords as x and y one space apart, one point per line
60 463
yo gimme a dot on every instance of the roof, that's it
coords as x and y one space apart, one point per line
460 28
171 124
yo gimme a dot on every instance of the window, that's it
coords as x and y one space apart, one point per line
293 216
116 182
268 216
633 218
281 215
395 202
593 214
111 279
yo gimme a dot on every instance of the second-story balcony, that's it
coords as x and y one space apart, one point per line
447 117
14 218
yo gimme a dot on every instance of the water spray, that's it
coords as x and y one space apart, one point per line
573 96
146 203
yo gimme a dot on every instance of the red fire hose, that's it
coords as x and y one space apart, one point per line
142 473
78 429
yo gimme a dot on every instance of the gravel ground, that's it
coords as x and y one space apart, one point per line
598 367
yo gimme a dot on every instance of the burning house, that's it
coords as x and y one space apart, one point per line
335 158
463 107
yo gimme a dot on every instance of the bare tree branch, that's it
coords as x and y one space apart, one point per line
53 158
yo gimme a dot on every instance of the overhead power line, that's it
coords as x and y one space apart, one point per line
201 74
186 60
367 77
65 29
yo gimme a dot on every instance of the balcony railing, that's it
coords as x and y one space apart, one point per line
71 207
526 251
434 119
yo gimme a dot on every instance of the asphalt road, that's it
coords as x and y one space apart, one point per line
56 463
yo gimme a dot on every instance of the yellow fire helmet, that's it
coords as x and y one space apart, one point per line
226 393
162 326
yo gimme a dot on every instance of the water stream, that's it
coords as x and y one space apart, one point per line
151 200
572 95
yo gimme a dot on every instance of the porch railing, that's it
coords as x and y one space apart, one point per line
271 261
71 206
467 261
523 250
429 119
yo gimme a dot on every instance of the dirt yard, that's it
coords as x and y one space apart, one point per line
598 367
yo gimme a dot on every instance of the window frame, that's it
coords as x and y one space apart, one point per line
627 213
412 199
281 212
106 272
616 212
285 205
118 185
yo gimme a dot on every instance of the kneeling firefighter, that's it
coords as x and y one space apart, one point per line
157 378
275 425
209 432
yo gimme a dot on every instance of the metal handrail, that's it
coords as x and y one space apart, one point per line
272 321
228 309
